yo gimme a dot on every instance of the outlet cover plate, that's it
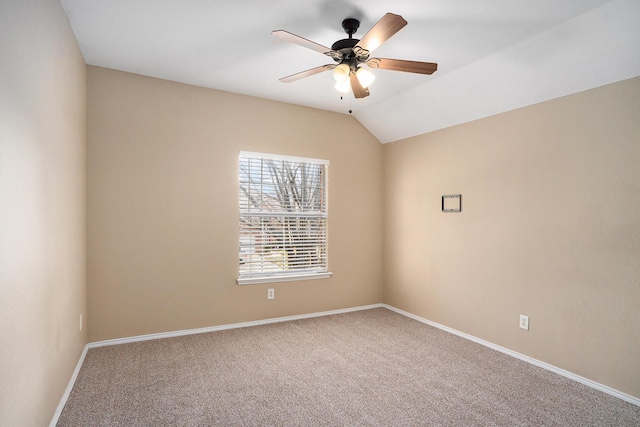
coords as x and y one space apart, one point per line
524 322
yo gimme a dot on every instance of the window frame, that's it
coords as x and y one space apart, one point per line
281 275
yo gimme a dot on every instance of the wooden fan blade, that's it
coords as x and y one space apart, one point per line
382 31
301 41
356 87
402 65
307 73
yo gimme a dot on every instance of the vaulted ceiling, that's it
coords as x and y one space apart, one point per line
493 55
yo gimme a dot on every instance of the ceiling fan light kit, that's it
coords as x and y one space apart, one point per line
365 77
341 72
351 53
343 86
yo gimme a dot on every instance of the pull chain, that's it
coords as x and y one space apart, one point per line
342 99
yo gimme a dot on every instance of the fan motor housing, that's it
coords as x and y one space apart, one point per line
344 44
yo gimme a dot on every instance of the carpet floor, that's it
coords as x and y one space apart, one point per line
366 368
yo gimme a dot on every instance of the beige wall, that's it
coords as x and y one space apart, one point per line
42 209
550 228
162 205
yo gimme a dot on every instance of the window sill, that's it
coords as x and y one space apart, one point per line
272 279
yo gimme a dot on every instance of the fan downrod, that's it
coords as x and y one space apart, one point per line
345 46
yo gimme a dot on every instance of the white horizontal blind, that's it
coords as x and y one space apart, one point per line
283 216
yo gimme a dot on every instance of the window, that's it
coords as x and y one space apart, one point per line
283 218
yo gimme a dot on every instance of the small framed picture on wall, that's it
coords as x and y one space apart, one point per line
452 203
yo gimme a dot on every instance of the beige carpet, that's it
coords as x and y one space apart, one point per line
367 368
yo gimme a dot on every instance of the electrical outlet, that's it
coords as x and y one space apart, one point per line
524 322
80 321
270 294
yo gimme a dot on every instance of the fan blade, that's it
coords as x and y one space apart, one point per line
384 29
292 38
402 65
356 87
303 74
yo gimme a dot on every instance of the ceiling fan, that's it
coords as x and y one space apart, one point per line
349 54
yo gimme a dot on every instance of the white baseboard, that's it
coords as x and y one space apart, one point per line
72 381
601 387
67 391
226 327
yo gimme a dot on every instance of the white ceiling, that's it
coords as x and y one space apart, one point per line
493 55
